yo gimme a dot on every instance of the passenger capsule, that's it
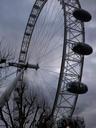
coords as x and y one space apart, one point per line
77 87
82 49
82 15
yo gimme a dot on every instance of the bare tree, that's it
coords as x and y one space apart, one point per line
7 54
30 112
24 109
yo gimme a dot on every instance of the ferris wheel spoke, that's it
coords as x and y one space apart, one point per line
40 46
6 76
46 51
49 53
47 37
43 24
50 71
44 17
46 82
55 63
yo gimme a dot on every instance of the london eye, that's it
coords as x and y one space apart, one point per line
52 53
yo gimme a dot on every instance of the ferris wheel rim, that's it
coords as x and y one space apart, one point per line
64 3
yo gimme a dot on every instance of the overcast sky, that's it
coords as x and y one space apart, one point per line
87 103
13 17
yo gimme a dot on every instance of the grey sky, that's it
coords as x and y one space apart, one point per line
86 103
13 17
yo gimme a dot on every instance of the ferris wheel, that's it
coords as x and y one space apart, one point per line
53 50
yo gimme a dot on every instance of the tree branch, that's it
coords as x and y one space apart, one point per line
11 120
3 119
35 115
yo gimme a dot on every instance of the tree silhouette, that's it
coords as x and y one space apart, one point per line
25 109
29 111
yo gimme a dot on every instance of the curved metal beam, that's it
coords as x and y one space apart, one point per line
72 64
38 6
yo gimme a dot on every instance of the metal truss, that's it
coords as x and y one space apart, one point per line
72 63
39 4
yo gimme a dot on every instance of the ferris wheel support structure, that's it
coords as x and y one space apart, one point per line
72 63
